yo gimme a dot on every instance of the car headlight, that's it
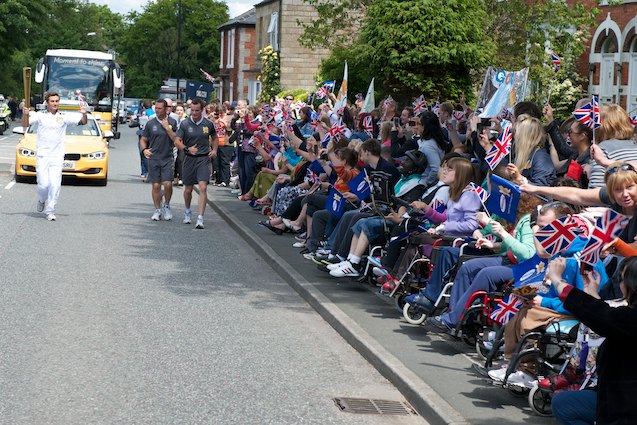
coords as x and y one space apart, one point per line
26 152
97 155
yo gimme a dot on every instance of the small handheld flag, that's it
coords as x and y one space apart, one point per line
335 203
559 234
502 146
360 185
420 105
482 194
504 198
607 228
506 309
207 76
557 63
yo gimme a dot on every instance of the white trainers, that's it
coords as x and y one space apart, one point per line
498 374
168 215
335 266
187 217
346 269
299 245
51 217
199 224
40 206
521 379
156 215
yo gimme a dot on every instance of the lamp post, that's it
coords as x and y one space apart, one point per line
178 46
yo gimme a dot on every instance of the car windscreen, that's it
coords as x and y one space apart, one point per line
89 129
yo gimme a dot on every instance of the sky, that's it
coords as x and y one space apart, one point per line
235 7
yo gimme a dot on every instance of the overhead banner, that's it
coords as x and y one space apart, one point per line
501 90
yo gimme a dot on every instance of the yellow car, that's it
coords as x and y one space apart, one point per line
85 152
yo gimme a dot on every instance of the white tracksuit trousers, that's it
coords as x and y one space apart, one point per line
49 174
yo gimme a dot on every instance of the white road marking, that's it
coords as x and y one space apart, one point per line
3 138
10 185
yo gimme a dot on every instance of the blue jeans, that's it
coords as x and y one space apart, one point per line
144 163
575 407
446 261
479 274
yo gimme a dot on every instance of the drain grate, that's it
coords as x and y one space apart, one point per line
368 406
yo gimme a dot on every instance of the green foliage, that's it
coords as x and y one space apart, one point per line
524 31
270 75
149 44
346 14
299 94
415 47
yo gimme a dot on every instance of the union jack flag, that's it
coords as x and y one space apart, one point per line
504 115
314 121
482 194
337 129
557 62
436 107
607 228
312 176
501 147
589 114
325 90
559 234
326 140
633 120
438 205
207 76
459 116
506 309
368 125
420 105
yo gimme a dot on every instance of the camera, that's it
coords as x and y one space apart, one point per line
485 122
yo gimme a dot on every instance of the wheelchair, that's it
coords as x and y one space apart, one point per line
416 315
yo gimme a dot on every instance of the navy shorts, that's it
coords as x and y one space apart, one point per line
196 169
160 170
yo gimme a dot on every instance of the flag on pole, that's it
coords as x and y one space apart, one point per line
207 76
502 146
337 129
438 205
506 309
504 198
369 104
360 185
317 167
368 125
557 63
335 203
325 89
607 228
482 194
589 114
459 116
341 97
558 236
633 120
420 105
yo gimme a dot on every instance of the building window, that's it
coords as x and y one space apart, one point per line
223 33
273 31
231 92
254 88
230 59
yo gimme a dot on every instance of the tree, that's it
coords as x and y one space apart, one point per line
149 45
414 47
332 15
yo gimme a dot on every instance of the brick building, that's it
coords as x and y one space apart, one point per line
611 58
237 71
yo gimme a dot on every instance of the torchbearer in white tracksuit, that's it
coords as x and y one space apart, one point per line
51 131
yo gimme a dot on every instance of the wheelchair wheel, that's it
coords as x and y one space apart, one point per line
481 350
540 401
413 314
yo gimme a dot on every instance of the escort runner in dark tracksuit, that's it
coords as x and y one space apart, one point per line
157 146
197 137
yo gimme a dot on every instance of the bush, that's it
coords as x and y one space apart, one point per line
299 94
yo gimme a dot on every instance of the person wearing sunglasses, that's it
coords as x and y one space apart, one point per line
619 193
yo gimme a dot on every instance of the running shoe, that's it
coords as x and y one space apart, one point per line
199 224
51 217
40 206
168 215
156 215
187 217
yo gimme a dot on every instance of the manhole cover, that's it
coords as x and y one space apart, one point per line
373 407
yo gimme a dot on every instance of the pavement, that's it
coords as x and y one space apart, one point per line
433 371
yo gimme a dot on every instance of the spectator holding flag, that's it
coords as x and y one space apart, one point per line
615 142
532 163
616 371
542 310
